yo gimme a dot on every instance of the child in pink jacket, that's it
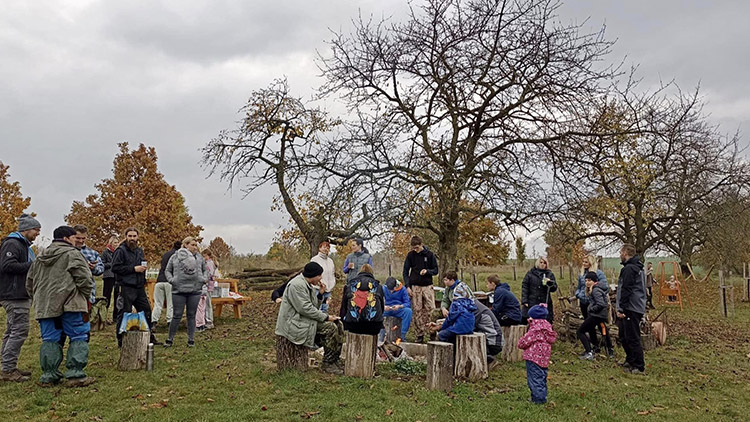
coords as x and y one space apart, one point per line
537 346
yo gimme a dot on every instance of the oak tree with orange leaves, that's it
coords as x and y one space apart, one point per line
12 201
136 195
220 248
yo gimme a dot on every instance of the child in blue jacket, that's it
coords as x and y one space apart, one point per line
397 304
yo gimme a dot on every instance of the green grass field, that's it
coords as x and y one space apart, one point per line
701 374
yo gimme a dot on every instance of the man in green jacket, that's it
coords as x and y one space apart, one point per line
59 283
302 322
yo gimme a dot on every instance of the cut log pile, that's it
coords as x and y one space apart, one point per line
264 278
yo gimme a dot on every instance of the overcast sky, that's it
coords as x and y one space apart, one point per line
77 77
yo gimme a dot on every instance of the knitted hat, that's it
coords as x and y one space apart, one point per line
27 222
359 241
538 311
592 276
390 283
461 291
312 269
63 231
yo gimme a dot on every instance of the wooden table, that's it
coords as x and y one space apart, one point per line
217 302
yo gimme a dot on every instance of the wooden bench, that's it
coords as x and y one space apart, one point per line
219 302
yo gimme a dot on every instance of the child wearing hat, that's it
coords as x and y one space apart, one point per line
537 347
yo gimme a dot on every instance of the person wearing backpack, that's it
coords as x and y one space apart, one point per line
362 303
631 306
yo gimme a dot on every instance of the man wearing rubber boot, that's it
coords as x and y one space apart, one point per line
59 283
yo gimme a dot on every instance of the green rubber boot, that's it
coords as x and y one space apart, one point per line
78 357
50 356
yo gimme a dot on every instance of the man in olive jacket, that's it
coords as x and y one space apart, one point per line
302 322
59 283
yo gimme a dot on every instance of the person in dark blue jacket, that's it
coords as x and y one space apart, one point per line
461 318
505 305
397 304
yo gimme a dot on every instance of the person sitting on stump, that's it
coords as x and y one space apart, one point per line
487 324
450 281
59 282
598 310
302 322
460 318
397 304
505 305
362 303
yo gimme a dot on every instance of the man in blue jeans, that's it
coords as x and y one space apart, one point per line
397 304
59 283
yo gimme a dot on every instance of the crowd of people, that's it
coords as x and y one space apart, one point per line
365 303
61 286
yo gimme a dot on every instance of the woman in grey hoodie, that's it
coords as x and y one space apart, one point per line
187 273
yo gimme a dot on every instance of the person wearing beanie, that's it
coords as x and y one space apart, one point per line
397 304
598 310
16 257
301 322
60 283
537 347
328 282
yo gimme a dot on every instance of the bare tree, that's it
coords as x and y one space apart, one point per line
281 141
465 100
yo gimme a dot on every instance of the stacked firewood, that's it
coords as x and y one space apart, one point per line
264 278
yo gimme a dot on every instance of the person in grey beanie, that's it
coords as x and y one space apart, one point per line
16 257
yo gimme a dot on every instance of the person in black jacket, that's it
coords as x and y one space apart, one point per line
631 305
537 287
362 303
420 266
597 311
16 257
163 290
128 264
109 277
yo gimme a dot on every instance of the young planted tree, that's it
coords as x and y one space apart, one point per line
520 251
220 248
280 141
12 202
135 196
465 100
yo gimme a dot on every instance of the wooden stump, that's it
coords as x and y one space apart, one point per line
360 355
392 327
133 351
439 366
290 355
511 352
471 357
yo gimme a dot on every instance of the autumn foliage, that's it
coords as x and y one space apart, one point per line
136 195
12 202
220 248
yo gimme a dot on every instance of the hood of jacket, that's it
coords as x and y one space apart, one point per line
57 249
636 260
600 286
464 305
504 286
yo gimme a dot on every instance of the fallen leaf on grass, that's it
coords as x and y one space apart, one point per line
308 415
644 412
389 412
264 408
210 400
159 405
138 396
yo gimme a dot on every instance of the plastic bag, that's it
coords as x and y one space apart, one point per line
133 322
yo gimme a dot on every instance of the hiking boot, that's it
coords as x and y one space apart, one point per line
636 371
331 368
611 353
420 339
168 343
24 373
14 375
587 356
492 363
597 350
433 336
200 329
625 365
191 344
79 382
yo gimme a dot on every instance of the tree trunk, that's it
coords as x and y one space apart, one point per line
134 350
392 329
471 357
448 245
360 355
290 355
439 366
511 352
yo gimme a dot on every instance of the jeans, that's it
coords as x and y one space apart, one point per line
324 303
630 337
162 291
447 336
536 378
70 323
182 301
16 331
